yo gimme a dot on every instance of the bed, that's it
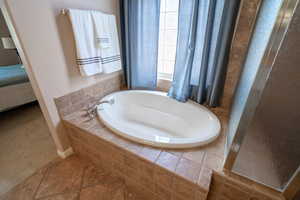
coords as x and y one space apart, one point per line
15 88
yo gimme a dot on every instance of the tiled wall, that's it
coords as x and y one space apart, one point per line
228 186
79 99
239 47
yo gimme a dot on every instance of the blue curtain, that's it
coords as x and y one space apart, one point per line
140 30
205 30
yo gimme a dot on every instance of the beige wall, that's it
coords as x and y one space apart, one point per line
7 56
46 38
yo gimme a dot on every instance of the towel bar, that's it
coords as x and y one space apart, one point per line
64 11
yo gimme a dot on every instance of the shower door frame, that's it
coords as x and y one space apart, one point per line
280 28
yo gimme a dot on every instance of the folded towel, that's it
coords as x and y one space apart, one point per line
106 28
88 54
102 30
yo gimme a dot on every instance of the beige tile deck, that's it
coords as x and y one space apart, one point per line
192 160
182 168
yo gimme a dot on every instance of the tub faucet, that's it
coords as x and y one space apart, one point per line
111 101
92 109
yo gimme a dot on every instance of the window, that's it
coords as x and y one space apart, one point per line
167 38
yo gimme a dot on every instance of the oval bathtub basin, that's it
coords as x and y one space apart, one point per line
152 118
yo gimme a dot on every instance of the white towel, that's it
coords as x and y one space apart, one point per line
102 30
106 27
88 54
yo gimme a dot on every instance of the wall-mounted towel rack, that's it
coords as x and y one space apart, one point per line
64 11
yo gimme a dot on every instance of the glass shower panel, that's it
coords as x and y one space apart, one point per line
270 151
262 32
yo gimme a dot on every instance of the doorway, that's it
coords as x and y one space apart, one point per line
25 141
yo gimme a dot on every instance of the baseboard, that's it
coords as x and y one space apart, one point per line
66 153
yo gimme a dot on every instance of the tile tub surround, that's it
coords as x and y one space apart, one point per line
239 47
228 186
79 99
161 174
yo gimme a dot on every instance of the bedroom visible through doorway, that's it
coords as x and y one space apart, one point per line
25 141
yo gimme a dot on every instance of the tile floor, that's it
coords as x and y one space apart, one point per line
70 179
25 145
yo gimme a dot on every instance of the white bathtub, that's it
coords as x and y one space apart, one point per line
152 118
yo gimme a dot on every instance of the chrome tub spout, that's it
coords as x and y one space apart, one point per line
92 110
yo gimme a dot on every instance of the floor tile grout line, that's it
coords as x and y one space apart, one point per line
202 168
202 164
81 183
203 160
45 174
157 157
42 179
91 185
59 193
177 163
